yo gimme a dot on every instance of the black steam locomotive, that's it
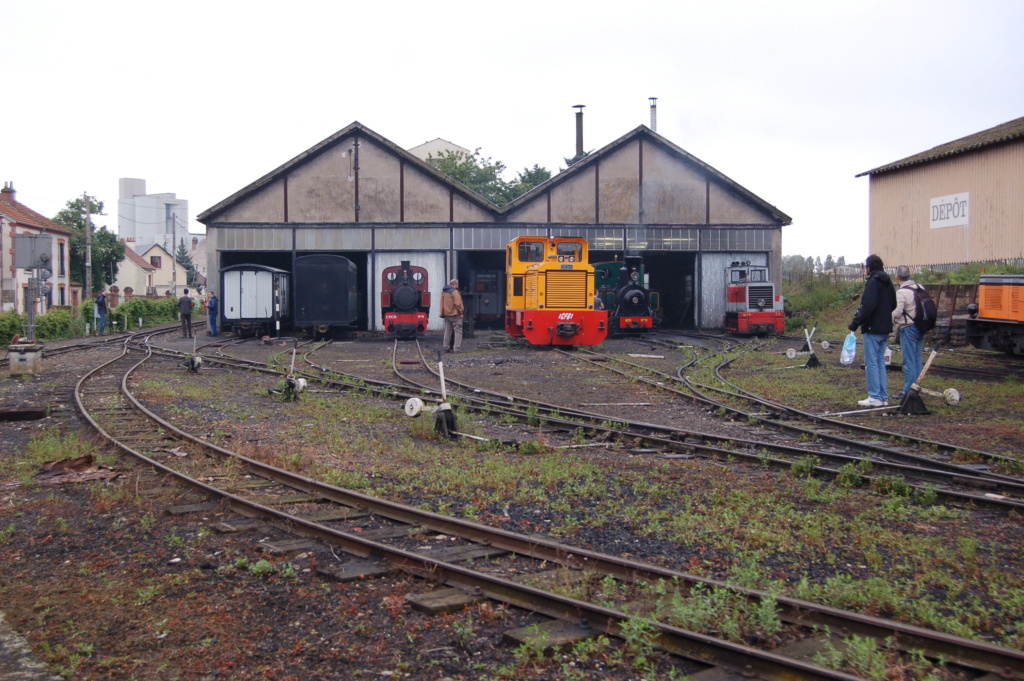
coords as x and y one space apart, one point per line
621 285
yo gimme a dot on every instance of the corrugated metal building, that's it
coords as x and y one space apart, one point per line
359 195
959 202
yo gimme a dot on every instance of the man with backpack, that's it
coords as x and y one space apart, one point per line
912 318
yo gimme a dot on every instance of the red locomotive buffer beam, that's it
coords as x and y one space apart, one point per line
558 327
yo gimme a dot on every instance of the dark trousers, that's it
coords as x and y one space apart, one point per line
186 325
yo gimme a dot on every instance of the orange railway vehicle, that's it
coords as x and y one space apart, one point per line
550 292
996 321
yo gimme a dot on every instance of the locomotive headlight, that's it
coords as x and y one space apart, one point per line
972 310
634 275
761 303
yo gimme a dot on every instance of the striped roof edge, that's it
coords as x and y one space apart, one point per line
1006 132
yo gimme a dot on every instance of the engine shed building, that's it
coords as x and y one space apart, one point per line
359 195
957 203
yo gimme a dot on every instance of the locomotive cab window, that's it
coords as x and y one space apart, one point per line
531 251
757 275
417 277
392 277
569 252
739 275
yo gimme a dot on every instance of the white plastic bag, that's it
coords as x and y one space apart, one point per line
849 352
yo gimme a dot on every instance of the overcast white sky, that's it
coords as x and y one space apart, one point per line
789 98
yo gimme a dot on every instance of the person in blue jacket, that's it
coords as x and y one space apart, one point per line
211 310
101 310
874 318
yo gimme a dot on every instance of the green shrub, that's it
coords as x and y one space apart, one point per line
57 324
965 274
818 299
152 311
11 325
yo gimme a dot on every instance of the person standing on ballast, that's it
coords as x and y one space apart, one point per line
185 308
212 308
874 318
452 311
911 338
101 310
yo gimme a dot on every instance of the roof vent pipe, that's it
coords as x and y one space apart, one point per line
579 132
654 113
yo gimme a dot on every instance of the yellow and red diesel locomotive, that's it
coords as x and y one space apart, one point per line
550 292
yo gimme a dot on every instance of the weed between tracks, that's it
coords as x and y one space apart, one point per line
164 597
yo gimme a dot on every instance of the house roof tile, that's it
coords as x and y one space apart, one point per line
19 213
130 254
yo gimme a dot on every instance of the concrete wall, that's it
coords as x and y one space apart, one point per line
144 217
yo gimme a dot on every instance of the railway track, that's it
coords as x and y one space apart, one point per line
866 453
826 448
862 454
303 507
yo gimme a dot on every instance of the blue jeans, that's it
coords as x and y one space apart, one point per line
103 322
911 341
213 324
874 365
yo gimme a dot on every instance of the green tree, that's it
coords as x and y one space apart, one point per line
796 268
184 259
528 179
484 176
107 249
829 263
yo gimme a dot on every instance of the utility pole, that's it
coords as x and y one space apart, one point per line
88 246
174 255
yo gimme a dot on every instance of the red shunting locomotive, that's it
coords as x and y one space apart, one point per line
752 305
405 300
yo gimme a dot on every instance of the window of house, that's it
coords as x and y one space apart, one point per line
61 257
154 260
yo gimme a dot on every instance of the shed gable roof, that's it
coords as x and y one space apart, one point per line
354 129
643 132
359 129
1000 134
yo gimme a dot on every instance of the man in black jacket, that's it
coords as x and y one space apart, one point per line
185 308
874 317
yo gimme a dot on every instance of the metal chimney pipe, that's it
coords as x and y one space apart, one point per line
654 113
579 131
